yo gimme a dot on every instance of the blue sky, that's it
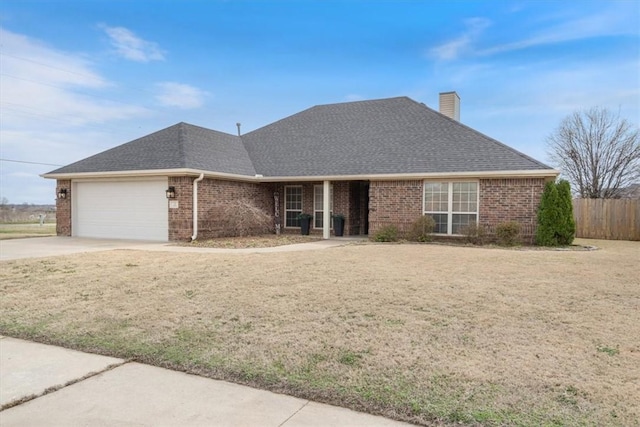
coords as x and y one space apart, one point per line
79 77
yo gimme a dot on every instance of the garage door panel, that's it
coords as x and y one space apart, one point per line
121 209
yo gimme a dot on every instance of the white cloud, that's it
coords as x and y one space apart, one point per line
454 48
180 95
610 23
55 109
41 82
619 19
132 47
31 59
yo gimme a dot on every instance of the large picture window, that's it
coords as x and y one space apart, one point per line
292 205
453 205
318 194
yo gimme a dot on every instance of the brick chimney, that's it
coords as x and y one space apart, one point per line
450 105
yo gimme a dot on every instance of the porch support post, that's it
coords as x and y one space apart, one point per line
326 215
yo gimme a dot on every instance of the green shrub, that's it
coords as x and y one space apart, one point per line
388 233
556 226
474 233
508 233
566 230
421 229
548 216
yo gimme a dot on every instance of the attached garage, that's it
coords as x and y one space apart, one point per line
113 209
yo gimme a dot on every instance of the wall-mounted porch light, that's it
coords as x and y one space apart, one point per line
62 193
171 193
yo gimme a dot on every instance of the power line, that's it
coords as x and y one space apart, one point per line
148 108
60 119
78 92
49 66
31 163
71 72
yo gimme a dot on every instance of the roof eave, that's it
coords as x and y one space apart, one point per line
148 173
537 173
534 173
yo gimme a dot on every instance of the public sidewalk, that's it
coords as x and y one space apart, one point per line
56 386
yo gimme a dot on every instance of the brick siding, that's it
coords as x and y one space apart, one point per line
399 203
511 199
63 208
396 203
181 219
213 196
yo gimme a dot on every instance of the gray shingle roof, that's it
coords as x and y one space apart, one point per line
178 146
385 136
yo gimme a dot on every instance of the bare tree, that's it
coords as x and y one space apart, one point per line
597 151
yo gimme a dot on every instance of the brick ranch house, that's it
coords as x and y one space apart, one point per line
377 162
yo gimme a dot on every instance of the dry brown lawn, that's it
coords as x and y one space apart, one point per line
265 241
423 333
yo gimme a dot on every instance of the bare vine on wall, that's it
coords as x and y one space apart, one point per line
276 211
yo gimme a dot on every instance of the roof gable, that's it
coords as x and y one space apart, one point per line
178 146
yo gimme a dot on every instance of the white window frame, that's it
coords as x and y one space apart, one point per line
450 211
286 193
318 210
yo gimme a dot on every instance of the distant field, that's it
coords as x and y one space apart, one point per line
20 231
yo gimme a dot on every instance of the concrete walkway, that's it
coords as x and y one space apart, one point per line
54 246
55 386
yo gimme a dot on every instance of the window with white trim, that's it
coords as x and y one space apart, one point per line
318 206
453 205
292 205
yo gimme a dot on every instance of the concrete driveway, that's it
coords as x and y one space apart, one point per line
47 385
53 246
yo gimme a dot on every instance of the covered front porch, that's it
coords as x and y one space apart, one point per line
322 200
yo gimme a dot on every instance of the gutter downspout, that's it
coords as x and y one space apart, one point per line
195 206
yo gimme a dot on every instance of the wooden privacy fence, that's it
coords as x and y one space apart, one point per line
613 219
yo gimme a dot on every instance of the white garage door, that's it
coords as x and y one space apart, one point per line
121 209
